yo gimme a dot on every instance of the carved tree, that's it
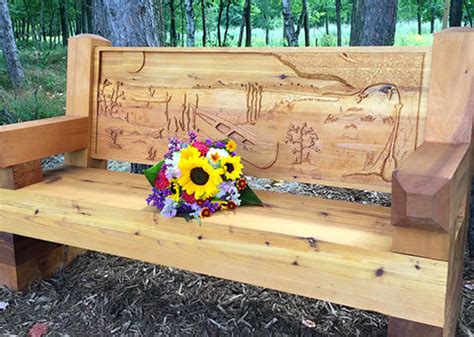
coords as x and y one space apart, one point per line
305 141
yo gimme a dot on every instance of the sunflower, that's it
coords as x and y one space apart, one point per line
174 188
231 145
189 152
199 177
232 167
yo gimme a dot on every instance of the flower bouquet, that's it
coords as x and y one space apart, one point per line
197 178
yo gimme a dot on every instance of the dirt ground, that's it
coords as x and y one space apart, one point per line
107 295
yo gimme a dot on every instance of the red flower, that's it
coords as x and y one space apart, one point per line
231 205
205 212
161 182
203 148
189 198
241 184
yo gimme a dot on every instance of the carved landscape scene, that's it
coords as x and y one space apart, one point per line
311 115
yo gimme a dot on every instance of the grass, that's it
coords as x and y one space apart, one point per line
44 92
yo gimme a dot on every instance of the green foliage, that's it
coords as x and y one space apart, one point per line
43 94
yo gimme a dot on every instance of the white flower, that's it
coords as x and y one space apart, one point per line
172 170
215 155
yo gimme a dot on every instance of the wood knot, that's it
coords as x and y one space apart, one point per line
37 211
200 237
379 272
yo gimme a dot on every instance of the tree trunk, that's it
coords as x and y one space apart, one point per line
338 22
373 22
288 24
219 21
455 13
10 50
307 40
267 35
419 8
84 23
64 21
89 16
126 22
42 25
248 25
189 23
432 20
468 12
172 24
160 22
447 4
327 22
245 23
226 22
204 31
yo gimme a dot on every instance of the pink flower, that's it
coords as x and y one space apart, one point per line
161 182
203 148
189 198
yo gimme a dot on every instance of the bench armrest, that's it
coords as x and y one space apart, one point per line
28 141
429 188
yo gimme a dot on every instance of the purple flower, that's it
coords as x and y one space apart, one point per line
156 199
220 144
208 142
169 208
192 136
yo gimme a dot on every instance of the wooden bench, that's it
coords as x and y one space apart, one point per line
394 119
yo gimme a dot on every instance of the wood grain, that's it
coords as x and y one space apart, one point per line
451 87
295 113
413 287
430 187
364 226
28 141
21 175
80 98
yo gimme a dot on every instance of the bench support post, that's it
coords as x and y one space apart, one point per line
24 260
398 327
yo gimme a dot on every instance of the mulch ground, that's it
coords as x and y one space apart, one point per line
107 295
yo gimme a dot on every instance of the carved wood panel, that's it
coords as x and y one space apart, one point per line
342 116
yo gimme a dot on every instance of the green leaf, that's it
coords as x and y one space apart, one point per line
152 172
249 197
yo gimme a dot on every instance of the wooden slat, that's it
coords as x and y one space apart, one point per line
365 106
451 94
361 225
80 97
28 141
412 288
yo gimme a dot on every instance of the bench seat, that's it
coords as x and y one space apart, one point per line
330 250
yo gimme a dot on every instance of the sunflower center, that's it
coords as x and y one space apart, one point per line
229 167
199 176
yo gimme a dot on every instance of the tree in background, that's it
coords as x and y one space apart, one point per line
338 22
189 23
455 13
10 50
288 24
126 22
246 22
373 22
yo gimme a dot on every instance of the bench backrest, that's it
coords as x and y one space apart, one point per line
341 116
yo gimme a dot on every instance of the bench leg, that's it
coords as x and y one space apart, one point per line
402 328
24 260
